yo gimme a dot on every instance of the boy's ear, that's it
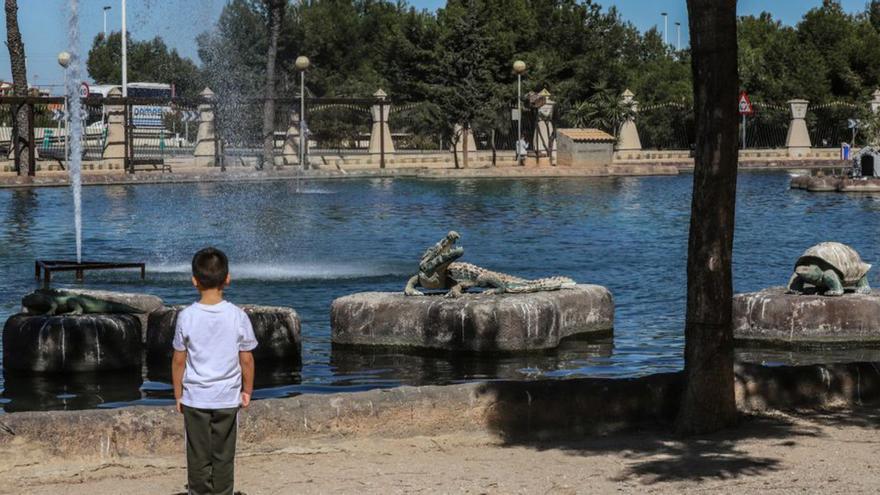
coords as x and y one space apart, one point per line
195 282
228 279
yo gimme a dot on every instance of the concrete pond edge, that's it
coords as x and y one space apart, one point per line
508 409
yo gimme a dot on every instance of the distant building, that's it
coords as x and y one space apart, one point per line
143 116
590 148
6 90
136 90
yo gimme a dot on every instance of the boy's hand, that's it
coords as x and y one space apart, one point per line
178 406
245 400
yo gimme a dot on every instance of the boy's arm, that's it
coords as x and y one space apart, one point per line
178 364
246 360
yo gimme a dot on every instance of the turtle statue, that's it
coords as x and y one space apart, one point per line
830 267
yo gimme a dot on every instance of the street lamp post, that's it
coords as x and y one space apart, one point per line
678 36
106 8
302 63
519 67
665 27
64 61
124 54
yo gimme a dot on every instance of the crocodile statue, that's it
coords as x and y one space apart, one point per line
438 269
57 302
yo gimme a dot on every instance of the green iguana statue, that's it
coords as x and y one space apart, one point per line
439 270
56 302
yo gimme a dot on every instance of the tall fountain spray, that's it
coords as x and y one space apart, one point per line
75 126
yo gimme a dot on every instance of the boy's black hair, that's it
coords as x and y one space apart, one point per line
210 268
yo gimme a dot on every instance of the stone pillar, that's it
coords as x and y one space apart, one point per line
798 139
290 152
471 143
381 131
206 139
114 146
628 140
875 102
544 128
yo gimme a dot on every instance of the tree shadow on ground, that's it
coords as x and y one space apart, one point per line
656 455
633 418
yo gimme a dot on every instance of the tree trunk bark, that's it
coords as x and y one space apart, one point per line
276 14
455 140
708 401
464 146
494 151
20 121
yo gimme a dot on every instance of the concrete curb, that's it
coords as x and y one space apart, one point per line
509 409
240 174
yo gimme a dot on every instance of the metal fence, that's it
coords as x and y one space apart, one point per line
668 126
153 128
157 129
767 127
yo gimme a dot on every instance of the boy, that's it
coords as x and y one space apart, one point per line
213 374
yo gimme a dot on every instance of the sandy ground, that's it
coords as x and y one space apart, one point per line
826 452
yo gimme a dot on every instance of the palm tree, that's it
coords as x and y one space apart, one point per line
604 109
20 122
708 402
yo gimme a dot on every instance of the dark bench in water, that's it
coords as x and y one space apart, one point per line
45 268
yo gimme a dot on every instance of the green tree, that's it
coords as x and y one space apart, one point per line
874 13
148 61
465 88
605 110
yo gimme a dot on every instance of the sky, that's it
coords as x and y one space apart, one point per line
43 24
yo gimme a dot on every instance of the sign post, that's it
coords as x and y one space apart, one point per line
745 109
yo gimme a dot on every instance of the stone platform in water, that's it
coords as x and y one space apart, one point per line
67 343
145 302
773 317
832 183
73 343
278 331
473 322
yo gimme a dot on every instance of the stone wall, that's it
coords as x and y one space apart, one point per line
535 409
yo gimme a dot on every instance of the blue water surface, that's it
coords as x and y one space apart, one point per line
304 245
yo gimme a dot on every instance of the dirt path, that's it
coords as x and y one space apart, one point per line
831 452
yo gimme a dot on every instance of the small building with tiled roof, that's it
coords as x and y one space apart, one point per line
584 148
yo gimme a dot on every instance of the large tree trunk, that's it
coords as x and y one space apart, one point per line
276 14
709 403
20 122
464 146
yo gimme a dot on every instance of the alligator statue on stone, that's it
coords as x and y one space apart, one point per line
57 302
439 270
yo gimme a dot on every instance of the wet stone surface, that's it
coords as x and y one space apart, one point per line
278 332
771 316
473 322
72 343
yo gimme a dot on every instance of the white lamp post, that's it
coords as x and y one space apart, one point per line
302 63
678 36
519 67
124 54
106 8
665 27
64 62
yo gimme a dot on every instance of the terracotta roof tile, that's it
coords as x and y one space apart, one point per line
585 134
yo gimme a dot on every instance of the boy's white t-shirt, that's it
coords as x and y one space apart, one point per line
212 336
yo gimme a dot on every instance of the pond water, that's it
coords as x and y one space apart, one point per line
304 246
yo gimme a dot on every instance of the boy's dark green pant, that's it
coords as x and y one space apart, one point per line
210 449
